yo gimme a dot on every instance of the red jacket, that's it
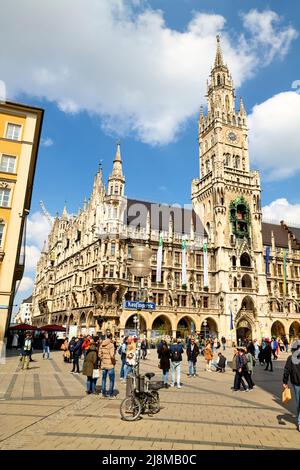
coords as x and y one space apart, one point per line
86 344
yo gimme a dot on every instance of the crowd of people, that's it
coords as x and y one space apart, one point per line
99 360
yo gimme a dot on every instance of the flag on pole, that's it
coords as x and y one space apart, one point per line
267 260
231 320
159 259
284 271
183 268
205 265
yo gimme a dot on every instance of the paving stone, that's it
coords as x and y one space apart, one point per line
46 408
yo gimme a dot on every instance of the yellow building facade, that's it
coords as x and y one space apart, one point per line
20 129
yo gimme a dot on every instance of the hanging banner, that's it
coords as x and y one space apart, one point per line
231 320
159 259
284 271
205 265
183 271
267 260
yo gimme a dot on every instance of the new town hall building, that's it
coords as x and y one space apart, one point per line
83 275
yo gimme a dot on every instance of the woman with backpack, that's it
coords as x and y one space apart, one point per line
176 351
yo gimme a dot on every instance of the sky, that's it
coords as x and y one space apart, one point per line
136 70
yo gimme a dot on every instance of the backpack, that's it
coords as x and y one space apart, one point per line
244 360
175 355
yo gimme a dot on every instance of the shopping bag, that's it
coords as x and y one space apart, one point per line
286 395
96 374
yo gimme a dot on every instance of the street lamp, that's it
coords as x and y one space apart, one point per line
140 267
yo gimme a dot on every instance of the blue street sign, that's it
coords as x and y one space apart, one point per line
135 305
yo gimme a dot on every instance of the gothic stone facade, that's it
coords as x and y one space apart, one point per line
83 275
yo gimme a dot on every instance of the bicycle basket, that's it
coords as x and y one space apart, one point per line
156 385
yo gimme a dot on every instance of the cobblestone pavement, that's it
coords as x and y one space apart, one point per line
46 408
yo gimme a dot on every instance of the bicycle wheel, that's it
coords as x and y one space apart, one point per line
154 403
130 408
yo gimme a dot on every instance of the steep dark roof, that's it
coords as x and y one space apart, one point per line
280 232
28 300
137 211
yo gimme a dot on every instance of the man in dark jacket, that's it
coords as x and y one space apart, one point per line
176 351
292 372
192 354
268 356
77 351
221 364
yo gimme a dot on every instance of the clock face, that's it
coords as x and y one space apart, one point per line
232 136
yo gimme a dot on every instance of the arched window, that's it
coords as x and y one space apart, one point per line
245 260
227 103
234 261
208 228
235 282
246 281
218 80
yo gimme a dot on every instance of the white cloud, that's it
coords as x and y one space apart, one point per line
32 256
268 34
281 209
25 284
118 59
274 138
38 229
47 142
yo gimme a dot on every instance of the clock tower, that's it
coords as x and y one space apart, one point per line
226 197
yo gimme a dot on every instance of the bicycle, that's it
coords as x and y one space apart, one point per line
144 397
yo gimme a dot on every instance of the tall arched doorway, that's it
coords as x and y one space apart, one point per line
277 329
131 326
161 327
243 331
294 331
82 324
209 328
185 327
91 324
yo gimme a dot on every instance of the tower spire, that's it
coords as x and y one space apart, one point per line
117 165
219 57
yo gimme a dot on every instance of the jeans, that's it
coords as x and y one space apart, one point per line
192 368
91 384
224 346
267 365
111 375
238 381
165 376
123 371
176 366
46 350
75 364
287 348
297 396
128 370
